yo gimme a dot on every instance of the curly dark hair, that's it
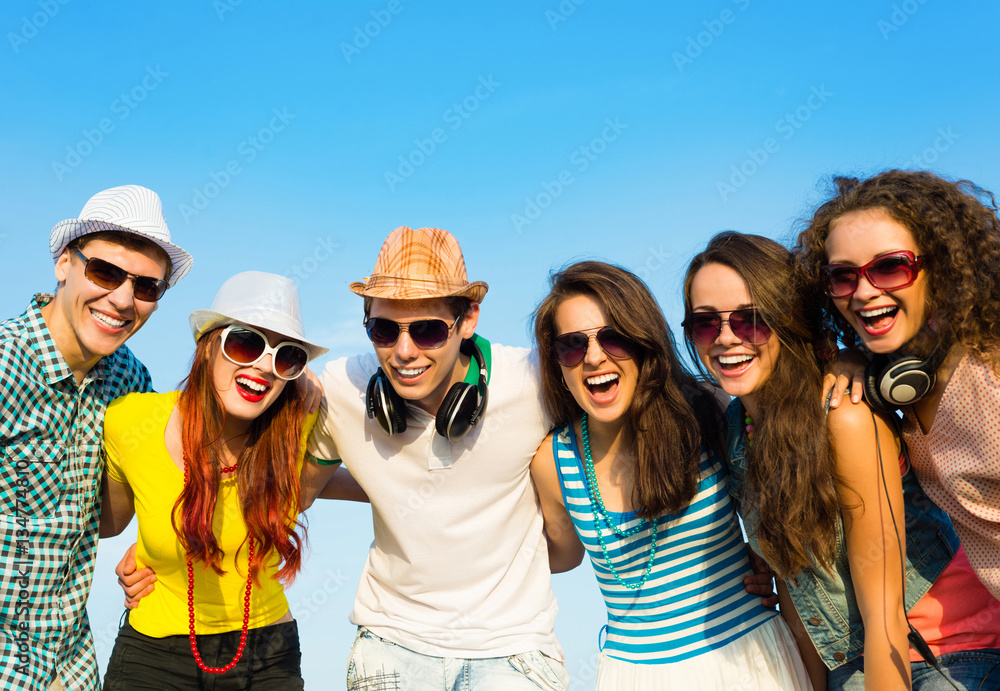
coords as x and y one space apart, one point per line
791 477
956 229
670 414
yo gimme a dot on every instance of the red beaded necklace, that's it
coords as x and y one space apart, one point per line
246 601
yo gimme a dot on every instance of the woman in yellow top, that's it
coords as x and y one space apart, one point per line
212 472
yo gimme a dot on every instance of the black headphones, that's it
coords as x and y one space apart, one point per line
895 380
461 410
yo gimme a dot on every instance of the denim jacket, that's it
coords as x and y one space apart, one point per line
825 602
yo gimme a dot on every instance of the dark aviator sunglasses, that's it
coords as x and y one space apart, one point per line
108 276
747 324
570 348
425 333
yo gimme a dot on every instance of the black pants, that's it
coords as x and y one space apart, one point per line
271 660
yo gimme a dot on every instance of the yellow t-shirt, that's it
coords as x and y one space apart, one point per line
134 428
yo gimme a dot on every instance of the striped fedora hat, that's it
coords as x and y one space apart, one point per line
419 264
126 209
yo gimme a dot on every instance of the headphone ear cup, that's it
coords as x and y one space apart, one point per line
386 406
897 381
873 377
454 417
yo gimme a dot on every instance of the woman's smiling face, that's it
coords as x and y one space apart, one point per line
885 320
739 366
247 391
602 385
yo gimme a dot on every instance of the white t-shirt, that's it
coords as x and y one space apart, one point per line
459 566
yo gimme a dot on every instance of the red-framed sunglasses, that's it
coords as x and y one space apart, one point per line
888 272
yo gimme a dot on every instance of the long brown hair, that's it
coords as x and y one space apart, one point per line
670 415
267 473
956 228
790 479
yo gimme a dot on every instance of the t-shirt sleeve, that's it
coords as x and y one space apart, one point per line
321 447
113 427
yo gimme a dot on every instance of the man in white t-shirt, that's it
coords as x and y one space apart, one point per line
439 426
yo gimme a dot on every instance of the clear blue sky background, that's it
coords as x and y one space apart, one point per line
293 137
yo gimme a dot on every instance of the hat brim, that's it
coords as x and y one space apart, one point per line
203 321
404 290
66 231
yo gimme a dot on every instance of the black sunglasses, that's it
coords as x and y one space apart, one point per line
425 333
570 348
108 276
747 324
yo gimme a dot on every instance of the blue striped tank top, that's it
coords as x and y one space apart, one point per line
694 600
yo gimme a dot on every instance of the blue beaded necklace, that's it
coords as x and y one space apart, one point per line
598 511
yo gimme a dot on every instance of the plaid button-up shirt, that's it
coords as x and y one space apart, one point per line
50 488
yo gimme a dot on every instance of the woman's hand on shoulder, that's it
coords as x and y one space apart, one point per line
310 389
846 371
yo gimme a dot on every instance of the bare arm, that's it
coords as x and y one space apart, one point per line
343 486
810 658
565 549
117 506
329 481
867 471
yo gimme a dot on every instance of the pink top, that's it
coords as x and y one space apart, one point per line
957 613
958 462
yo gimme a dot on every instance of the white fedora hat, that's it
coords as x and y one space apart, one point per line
126 209
255 298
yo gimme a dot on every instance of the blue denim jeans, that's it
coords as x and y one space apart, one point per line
380 665
973 670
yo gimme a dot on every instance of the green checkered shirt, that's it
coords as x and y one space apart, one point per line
50 447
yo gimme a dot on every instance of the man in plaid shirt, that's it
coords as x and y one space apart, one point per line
61 362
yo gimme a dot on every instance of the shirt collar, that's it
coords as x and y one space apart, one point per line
50 358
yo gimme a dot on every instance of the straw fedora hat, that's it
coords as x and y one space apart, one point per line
255 298
419 264
126 209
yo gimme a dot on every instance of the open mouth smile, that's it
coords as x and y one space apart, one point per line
877 320
603 387
409 373
735 365
251 388
108 322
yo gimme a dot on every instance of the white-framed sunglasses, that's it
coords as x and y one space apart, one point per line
243 345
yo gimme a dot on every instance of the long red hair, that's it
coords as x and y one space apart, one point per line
267 473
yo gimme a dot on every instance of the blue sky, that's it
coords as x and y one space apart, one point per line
293 138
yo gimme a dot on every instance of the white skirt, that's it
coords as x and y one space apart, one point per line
765 659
